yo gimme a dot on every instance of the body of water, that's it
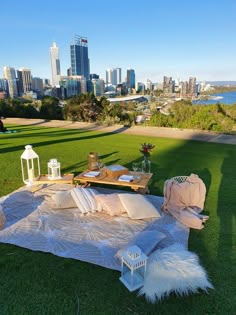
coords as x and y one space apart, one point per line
223 98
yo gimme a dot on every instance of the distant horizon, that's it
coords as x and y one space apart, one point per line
178 39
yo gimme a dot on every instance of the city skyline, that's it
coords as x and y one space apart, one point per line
177 39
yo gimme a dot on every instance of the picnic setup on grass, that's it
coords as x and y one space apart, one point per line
91 217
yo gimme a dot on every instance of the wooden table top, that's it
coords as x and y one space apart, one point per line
102 178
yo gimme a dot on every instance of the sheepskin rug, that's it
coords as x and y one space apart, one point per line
173 269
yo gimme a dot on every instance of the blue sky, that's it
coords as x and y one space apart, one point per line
156 38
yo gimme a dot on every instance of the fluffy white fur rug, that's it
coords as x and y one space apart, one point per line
173 269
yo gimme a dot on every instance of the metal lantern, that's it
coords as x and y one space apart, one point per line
29 165
93 161
54 169
134 263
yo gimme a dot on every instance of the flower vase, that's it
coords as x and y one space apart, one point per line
146 165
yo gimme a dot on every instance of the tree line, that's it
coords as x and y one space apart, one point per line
88 108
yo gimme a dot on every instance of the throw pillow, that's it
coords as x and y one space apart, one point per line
173 269
147 241
111 204
63 200
138 207
84 199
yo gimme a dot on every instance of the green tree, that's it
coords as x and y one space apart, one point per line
50 108
84 107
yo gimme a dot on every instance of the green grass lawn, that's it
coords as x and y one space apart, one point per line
35 283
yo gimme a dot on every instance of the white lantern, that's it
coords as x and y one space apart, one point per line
29 165
54 169
134 263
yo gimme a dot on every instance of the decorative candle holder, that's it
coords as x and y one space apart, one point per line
134 263
29 166
54 169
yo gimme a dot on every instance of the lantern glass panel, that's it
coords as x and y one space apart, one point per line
133 268
54 169
29 165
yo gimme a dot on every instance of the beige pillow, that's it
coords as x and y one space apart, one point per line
85 199
63 200
110 203
138 207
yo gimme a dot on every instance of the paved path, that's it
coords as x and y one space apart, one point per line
136 130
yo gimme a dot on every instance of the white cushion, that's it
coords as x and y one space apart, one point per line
111 204
84 199
138 207
63 200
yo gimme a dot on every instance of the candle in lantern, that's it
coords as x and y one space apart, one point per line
31 174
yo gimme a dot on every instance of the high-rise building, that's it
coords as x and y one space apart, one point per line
25 80
192 86
55 64
113 76
94 76
10 75
109 76
130 79
168 85
149 85
116 76
73 85
4 86
98 87
79 56
37 86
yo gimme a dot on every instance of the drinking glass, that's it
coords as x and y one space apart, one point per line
135 167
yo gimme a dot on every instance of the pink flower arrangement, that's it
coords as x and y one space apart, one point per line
146 148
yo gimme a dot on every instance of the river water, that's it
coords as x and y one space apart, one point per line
223 98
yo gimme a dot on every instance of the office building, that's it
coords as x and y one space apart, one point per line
149 85
168 85
140 87
192 86
73 85
25 80
93 76
37 86
10 75
116 76
79 57
113 76
4 86
109 76
130 79
55 64
98 87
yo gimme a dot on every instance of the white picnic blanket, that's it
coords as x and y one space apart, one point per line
32 222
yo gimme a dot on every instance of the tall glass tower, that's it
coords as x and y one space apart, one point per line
55 64
79 56
130 79
10 76
25 80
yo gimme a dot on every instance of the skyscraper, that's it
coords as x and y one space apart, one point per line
113 76
55 64
25 80
192 86
109 76
116 76
79 56
10 76
130 79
